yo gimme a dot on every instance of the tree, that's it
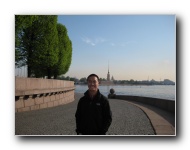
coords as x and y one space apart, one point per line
21 22
43 45
37 46
64 50
46 55
131 81
83 80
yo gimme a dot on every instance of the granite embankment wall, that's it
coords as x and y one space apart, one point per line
168 105
36 93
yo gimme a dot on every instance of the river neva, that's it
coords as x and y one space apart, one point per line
155 91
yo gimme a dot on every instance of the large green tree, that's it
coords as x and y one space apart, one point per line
65 51
37 45
46 50
43 45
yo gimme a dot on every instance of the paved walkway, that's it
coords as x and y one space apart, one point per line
162 121
128 119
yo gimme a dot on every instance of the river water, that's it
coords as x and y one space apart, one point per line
155 91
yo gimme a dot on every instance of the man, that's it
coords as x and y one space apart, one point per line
93 115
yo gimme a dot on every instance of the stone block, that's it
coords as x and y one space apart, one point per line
39 99
62 84
29 102
66 99
35 107
52 97
56 103
43 84
61 95
44 105
71 99
24 109
47 98
19 110
19 103
63 101
57 96
60 101
58 84
50 104
32 83
54 84
20 83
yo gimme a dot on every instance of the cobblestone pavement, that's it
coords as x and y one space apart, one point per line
128 119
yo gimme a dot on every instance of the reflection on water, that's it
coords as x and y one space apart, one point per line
156 91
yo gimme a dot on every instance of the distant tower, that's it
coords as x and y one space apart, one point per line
112 78
108 75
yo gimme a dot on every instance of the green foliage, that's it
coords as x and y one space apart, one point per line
42 45
46 46
21 22
83 80
65 51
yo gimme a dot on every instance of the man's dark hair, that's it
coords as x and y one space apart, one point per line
94 75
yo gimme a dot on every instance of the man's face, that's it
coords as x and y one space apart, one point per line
93 83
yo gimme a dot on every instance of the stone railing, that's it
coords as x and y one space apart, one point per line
36 93
168 105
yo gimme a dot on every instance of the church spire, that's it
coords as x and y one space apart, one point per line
108 75
108 66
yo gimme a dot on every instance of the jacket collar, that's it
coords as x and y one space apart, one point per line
97 95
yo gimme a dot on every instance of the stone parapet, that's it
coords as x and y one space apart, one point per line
36 93
168 105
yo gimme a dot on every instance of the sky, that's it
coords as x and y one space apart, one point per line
138 47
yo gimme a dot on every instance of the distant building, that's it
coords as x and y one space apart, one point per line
21 71
168 82
108 75
109 81
112 78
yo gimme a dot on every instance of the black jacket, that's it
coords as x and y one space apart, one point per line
93 116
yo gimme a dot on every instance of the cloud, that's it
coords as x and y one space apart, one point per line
94 41
88 41
99 40
123 44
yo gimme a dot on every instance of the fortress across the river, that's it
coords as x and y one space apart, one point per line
108 81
